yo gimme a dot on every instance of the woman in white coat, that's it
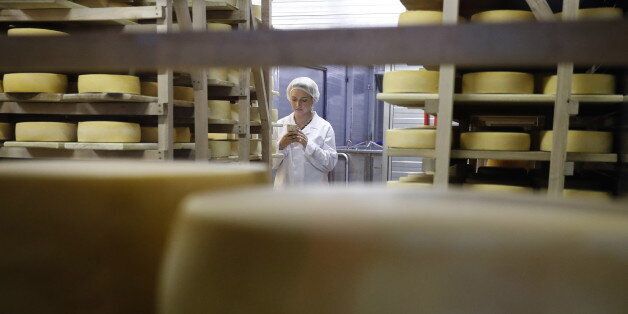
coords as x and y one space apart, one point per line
306 140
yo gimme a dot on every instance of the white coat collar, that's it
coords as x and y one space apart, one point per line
312 125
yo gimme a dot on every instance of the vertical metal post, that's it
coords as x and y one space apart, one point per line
165 128
558 155
446 86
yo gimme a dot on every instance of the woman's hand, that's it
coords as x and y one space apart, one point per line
301 138
288 139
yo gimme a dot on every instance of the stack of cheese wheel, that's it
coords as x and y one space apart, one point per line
34 82
420 180
235 112
422 138
496 188
89 237
219 109
593 14
183 93
255 115
504 141
255 147
503 16
220 74
419 17
6 131
220 144
45 132
498 83
109 83
367 250
595 142
587 194
109 132
411 81
150 134
583 84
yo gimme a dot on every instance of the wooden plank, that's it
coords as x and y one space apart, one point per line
122 146
541 10
165 123
418 100
29 153
31 97
264 111
199 80
585 157
38 4
115 109
600 42
211 5
85 98
81 14
50 145
244 104
505 155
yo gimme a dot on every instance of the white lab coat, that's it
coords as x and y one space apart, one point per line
310 165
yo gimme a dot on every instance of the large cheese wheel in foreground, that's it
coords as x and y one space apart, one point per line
411 138
498 83
220 149
581 141
88 237
495 188
45 132
109 83
495 141
150 134
411 18
35 83
109 132
411 81
503 16
178 92
377 250
34 32
6 131
219 109
583 84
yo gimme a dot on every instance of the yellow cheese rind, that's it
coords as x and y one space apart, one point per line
150 134
255 115
219 74
218 27
411 81
501 141
257 11
235 112
109 132
421 138
587 194
6 131
583 84
109 83
255 147
222 136
496 188
503 16
220 149
595 142
35 83
419 17
183 93
498 83
233 76
45 132
34 32
219 109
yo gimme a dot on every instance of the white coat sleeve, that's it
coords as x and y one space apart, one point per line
283 152
323 158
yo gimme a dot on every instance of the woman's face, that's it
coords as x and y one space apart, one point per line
301 101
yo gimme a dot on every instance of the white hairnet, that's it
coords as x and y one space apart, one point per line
305 84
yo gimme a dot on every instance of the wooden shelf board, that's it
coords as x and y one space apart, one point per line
418 100
85 98
505 155
34 152
219 83
212 5
94 146
38 4
100 108
117 15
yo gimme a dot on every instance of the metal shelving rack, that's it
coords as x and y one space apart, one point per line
442 104
162 108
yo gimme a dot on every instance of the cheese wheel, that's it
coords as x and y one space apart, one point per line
594 142
255 115
85 236
592 14
403 184
235 112
257 11
183 93
583 84
219 109
274 115
587 194
419 17
233 76
218 27
34 32
496 188
109 132
255 147
503 16
419 177
6 131
45 132
151 135
410 138
498 83
411 81
222 136
370 250
219 74
495 141
220 149
109 83
35 83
